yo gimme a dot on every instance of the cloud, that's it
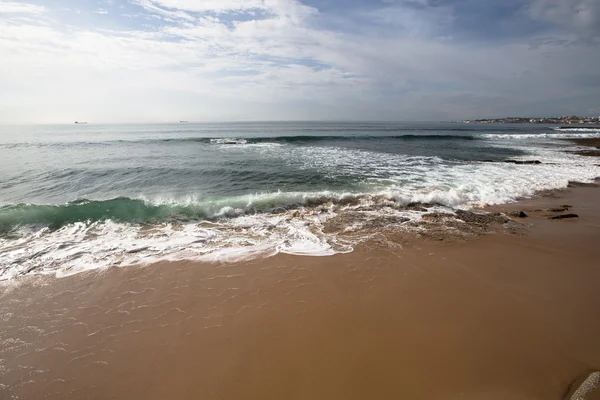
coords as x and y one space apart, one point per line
283 59
291 10
414 17
223 6
582 16
7 7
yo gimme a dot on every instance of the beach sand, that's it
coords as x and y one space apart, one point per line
499 316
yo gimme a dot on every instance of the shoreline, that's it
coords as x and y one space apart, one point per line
500 306
497 316
69 238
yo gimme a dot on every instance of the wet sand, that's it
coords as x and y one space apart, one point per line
502 316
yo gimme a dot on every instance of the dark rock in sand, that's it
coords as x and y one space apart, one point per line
418 207
559 209
523 162
564 216
469 217
517 214
482 219
573 184
134 251
436 216
385 222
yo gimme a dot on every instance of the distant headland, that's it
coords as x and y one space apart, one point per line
567 120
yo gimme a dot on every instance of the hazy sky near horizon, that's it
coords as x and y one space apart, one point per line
166 60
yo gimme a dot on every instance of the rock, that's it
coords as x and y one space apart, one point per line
296 214
566 206
385 222
523 162
418 207
573 184
584 387
518 214
564 216
436 216
138 250
559 209
471 217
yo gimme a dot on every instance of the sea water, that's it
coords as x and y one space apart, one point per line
80 197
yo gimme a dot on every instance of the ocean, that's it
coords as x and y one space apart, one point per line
81 197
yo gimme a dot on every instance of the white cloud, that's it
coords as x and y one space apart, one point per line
422 20
275 64
291 10
222 6
7 7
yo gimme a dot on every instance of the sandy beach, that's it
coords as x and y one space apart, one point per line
496 317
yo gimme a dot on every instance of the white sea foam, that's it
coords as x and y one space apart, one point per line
228 141
79 247
583 134
579 129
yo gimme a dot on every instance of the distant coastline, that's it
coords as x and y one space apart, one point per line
566 120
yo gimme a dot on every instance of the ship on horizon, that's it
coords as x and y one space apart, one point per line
80 123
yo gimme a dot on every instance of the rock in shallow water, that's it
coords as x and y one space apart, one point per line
471 217
573 184
523 162
518 214
564 216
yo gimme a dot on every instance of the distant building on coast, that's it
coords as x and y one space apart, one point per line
564 120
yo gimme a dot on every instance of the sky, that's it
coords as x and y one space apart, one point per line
244 60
